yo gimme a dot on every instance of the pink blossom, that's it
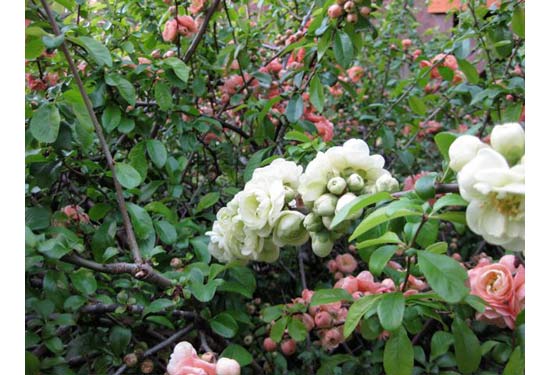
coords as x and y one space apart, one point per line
196 6
346 263
355 73
170 31
332 338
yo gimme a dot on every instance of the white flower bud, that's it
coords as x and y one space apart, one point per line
289 229
325 205
340 228
464 149
227 366
355 182
336 185
387 183
509 140
313 223
321 244
290 194
344 200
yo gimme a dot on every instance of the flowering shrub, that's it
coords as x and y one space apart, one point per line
329 187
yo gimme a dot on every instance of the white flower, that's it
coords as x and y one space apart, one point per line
509 140
343 201
313 183
181 352
464 149
260 204
280 169
289 229
325 205
321 244
496 195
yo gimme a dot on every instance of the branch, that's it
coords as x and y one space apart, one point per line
103 308
200 34
170 340
110 162
143 271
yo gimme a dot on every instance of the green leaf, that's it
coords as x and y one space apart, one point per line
343 48
518 21
516 363
37 218
119 339
143 225
297 330
467 347
157 152
160 320
45 123
295 108
438 248
127 175
417 105
163 96
53 42
271 313
399 354
452 216
32 364
224 325
84 281
238 353
316 94
469 71
388 237
382 215
166 232
476 302
97 50
448 200
390 310
358 204
111 117
205 293
440 344
443 141
380 258
54 344
33 48
425 186
278 329
445 276
207 201
157 305
324 296
124 87
357 310
180 69
73 303
254 162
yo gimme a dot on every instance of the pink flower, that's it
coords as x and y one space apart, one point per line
346 263
349 284
185 361
325 129
186 25
355 73
335 11
323 319
170 31
196 6
504 292
406 43
332 338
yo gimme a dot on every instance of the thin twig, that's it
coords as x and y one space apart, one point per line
110 162
202 30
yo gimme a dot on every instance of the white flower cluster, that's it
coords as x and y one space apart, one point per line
262 218
332 180
492 179
258 220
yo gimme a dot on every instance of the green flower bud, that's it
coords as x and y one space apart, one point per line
336 185
321 244
313 223
387 183
270 252
340 228
345 199
290 194
325 205
289 229
355 182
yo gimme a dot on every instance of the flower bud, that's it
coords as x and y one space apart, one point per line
364 11
131 359
464 149
321 244
325 205
176 263
343 201
349 6
351 18
288 347
387 183
308 321
289 229
228 366
323 319
269 345
209 357
147 366
509 140
355 182
313 223
336 185
334 11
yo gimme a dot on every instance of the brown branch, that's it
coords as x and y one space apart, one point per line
104 308
202 30
110 162
143 271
